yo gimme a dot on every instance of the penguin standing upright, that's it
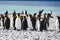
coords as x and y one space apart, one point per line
7 21
2 20
57 24
18 22
38 24
24 23
48 18
34 21
11 23
29 23
21 17
41 24
45 22
14 19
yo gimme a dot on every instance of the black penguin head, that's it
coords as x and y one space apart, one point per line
14 14
6 14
